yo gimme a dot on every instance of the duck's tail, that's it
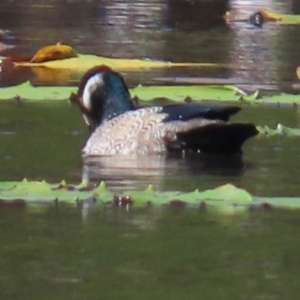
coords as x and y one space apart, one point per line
217 137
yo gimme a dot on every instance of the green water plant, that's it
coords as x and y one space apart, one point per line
227 93
145 93
223 198
278 130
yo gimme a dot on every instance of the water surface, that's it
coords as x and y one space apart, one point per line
57 252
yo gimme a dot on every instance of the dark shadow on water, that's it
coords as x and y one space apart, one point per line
137 172
185 14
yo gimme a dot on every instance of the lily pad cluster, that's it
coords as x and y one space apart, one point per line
279 130
227 93
223 198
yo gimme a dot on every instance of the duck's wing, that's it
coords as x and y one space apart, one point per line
185 112
203 128
217 137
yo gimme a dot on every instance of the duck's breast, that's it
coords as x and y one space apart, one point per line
139 131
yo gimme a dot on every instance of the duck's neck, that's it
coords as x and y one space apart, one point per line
118 98
108 98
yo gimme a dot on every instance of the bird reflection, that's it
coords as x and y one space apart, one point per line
137 172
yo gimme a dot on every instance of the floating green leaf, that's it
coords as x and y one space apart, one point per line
286 202
196 93
282 99
29 92
174 93
228 93
224 198
279 130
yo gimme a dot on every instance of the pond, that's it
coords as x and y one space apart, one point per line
55 252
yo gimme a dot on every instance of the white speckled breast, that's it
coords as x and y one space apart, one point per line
132 132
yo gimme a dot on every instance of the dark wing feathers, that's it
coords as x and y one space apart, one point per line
217 137
186 112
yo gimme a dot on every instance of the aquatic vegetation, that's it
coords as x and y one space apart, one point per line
264 15
144 93
26 91
223 198
65 57
196 93
183 93
279 130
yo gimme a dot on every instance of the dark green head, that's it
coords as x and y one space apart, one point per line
102 94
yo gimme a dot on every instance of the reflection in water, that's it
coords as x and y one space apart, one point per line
195 15
127 24
266 55
253 49
139 29
161 29
137 172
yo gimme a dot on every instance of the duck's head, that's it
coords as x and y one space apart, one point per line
102 94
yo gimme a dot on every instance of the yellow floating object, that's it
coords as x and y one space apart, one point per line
270 16
53 52
298 72
86 61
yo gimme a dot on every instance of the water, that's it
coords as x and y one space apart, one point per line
116 255
57 252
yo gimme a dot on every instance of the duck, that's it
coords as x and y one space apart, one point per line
119 127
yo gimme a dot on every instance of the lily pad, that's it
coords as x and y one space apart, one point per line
174 93
180 93
224 198
281 99
83 62
27 91
197 93
279 130
64 57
